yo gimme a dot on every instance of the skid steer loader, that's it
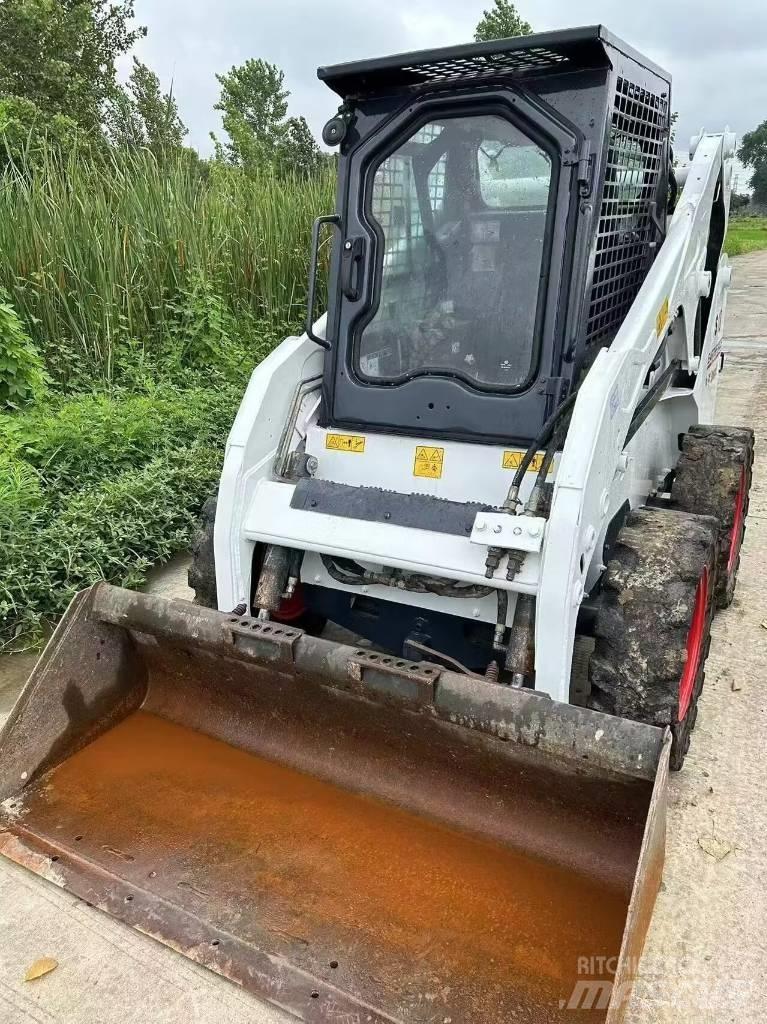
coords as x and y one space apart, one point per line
492 462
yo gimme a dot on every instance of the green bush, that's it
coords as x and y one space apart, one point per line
92 437
21 368
27 134
200 325
101 488
21 505
149 290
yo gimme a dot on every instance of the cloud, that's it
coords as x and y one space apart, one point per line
717 58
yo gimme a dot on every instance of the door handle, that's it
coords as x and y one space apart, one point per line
352 257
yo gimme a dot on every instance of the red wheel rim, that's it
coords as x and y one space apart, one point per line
292 609
695 641
737 525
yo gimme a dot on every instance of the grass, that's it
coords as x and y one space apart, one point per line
135 299
94 255
101 487
746 234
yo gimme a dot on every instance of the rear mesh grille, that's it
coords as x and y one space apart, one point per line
624 252
537 58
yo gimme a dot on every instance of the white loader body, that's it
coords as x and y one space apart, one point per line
595 475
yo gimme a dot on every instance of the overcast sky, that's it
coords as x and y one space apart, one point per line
716 52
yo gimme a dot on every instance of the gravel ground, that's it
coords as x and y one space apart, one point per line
706 957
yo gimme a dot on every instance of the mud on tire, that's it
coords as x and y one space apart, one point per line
202 571
713 478
651 589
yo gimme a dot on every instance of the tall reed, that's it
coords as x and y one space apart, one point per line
93 252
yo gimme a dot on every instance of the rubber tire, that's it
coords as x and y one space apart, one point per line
202 571
643 620
707 481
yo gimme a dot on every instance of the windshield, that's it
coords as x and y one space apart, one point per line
462 207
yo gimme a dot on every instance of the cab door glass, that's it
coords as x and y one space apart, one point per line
461 209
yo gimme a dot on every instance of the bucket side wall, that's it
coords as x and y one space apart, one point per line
88 679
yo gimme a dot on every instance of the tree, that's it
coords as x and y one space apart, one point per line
502 21
753 148
140 114
759 185
26 133
753 153
739 202
61 54
253 105
296 151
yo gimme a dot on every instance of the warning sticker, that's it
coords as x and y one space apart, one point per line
429 462
513 460
662 318
345 443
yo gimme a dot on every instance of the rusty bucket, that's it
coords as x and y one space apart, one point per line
353 837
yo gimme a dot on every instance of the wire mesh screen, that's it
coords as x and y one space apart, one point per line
536 58
395 198
625 233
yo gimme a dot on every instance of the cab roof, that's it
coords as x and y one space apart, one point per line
572 49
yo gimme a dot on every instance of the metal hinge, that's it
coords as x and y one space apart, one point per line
553 387
584 161
586 172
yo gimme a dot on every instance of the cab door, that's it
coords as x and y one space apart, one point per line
444 315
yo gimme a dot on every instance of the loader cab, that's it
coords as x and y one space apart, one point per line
470 183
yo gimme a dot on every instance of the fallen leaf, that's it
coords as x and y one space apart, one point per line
40 968
714 847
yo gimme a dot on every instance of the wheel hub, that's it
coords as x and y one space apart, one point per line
695 645
737 525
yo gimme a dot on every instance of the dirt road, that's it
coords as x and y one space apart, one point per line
706 958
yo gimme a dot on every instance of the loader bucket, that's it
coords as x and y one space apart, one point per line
353 837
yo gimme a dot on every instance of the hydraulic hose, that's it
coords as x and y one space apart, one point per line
546 436
555 441
543 437
351 574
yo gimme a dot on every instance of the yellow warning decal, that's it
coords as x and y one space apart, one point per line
513 460
662 318
345 443
429 462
